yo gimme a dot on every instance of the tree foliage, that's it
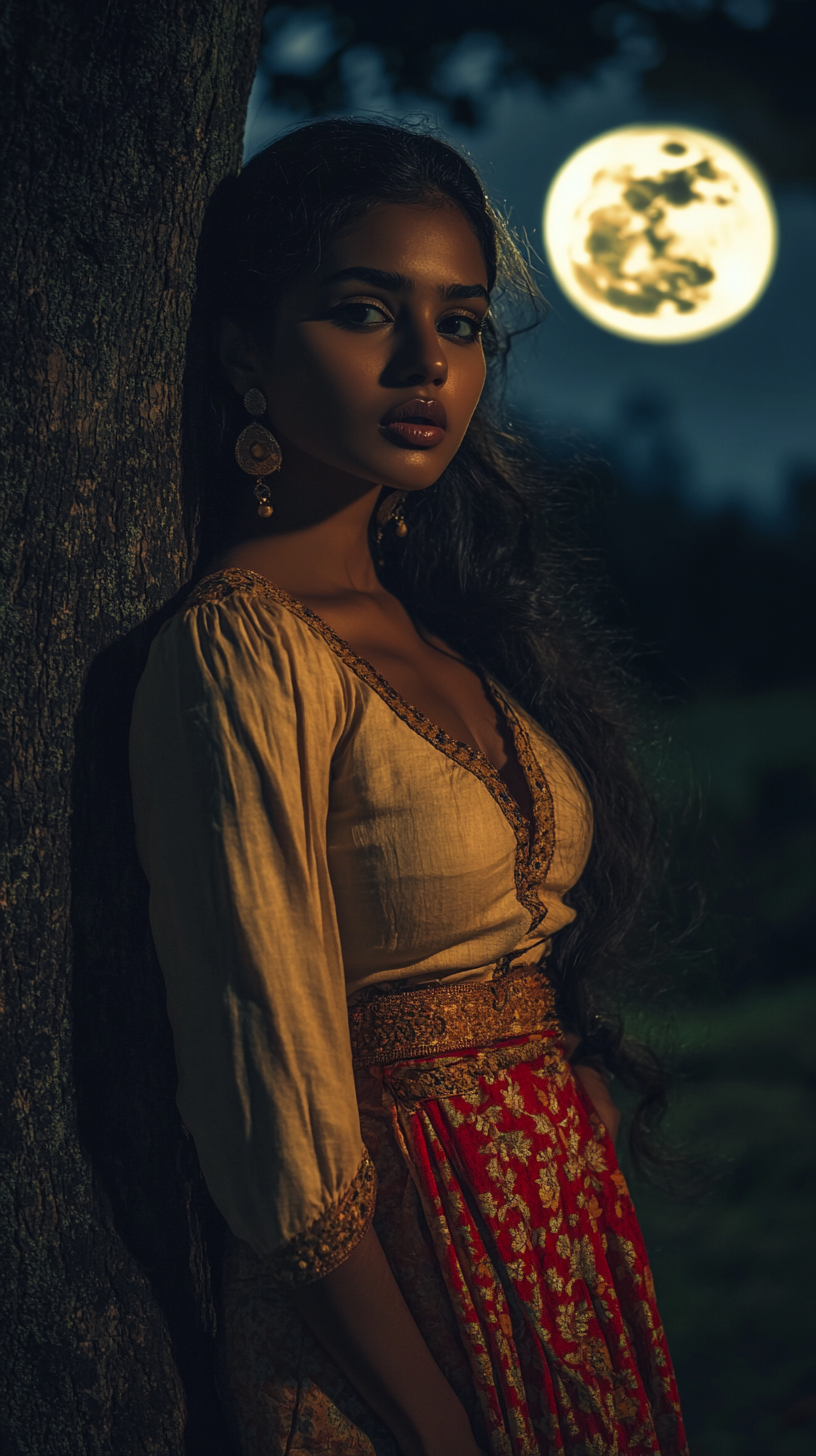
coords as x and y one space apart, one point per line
747 60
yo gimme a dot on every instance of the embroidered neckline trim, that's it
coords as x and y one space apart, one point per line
534 851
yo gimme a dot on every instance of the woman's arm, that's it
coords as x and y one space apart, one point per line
234 727
600 1097
597 1090
359 1315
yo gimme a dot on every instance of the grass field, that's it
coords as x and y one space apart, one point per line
735 1268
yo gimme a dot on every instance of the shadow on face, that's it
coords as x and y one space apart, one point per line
373 364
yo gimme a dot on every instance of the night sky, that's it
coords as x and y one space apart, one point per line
734 412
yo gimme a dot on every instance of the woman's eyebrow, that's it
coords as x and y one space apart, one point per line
466 290
398 283
393 282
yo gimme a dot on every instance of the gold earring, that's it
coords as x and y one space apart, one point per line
392 509
257 451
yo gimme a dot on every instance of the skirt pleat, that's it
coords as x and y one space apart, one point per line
512 1235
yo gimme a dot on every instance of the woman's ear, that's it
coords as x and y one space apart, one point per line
238 355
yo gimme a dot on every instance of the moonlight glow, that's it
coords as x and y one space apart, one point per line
661 233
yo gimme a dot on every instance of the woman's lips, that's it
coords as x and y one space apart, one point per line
415 435
418 424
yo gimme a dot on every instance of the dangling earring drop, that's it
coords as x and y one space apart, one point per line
392 509
257 451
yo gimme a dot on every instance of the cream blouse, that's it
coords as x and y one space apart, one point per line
307 834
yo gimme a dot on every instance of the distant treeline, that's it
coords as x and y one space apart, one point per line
720 611
716 602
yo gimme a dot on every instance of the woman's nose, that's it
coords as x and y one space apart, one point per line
419 357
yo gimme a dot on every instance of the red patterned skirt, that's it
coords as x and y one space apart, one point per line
510 1231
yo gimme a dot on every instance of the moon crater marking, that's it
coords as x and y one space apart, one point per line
659 252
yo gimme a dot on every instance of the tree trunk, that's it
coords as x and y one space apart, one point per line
117 123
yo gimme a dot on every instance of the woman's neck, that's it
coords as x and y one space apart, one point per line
317 540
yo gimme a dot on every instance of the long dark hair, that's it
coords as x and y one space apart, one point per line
489 563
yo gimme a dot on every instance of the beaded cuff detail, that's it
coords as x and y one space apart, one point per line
328 1241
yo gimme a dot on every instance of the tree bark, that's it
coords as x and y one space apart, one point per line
117 123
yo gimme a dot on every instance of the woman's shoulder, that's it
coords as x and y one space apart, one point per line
238 591
239 601
237 622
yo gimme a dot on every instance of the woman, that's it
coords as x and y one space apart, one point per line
363 850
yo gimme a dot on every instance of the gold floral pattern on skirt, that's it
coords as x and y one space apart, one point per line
511 1233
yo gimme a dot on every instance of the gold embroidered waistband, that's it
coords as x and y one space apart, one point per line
467 1015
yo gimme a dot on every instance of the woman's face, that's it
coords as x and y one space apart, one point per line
375 363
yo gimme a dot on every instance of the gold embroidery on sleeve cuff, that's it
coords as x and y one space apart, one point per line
331 1238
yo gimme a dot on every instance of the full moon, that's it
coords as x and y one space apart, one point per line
661 233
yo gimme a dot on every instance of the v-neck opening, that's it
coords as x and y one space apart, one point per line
534 839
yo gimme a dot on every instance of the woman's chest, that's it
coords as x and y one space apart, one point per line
421 669
421 853
414 797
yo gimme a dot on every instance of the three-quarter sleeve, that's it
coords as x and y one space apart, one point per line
235 724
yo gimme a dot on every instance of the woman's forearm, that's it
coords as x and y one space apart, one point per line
595 1086
359 1315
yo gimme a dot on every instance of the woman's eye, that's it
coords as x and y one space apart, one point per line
460 326
360 315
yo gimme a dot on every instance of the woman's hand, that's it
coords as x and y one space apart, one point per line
594 1085
358 1313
